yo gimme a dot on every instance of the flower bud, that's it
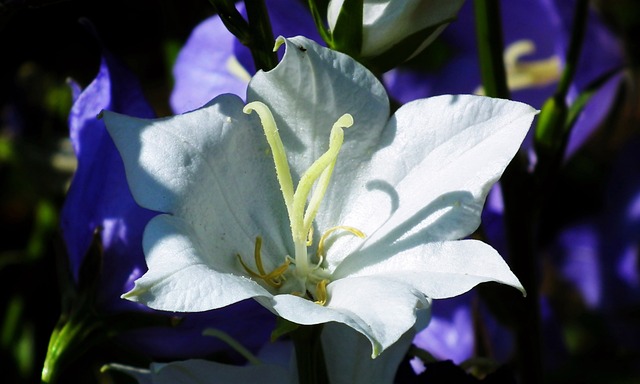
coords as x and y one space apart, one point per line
393 30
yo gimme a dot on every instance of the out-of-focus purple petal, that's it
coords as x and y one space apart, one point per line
627 266
554 348
593 114
206 67
99 197
417 365
547 23
247 322
619 248
621 227
602 51
461 74
578 261
493 220
449 335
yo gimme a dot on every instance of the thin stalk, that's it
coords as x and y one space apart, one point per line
309 355
575 47
518 191
491 48
262 39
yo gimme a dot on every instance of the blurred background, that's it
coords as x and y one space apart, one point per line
44 43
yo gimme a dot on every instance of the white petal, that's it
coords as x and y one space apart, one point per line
309 90
381 309
431 172
347 354
210 167
142 376
438 270
184 276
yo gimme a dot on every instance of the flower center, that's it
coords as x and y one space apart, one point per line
302 204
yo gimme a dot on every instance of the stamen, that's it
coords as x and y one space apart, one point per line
527 74
273 278
256 255
352 230
321 292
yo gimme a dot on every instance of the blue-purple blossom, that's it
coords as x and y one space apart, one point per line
100 198
547 25
598 256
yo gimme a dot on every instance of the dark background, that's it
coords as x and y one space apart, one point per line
42 45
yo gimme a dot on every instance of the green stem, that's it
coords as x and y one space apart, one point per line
575 47
309 355
262 40
256 34
491 48
521 221
555 124
518 191
232 19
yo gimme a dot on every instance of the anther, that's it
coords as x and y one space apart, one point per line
354 231
321 292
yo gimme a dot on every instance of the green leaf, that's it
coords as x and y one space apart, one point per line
317 11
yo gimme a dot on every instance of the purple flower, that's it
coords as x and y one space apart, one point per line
597 259
600 255
450 336
99 197
461 323
536 37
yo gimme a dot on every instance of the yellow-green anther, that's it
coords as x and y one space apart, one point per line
277 150
352 230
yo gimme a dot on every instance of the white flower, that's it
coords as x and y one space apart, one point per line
388 22
360 221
